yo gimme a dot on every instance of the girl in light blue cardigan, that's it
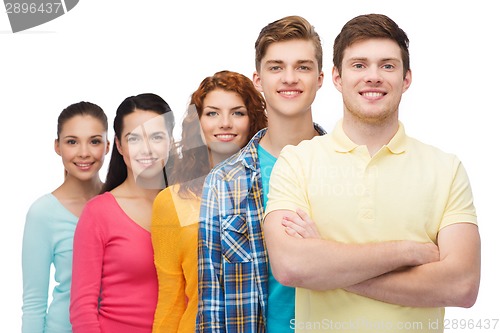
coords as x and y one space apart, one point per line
51 220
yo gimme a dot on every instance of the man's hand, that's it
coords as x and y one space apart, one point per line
300 226
424 253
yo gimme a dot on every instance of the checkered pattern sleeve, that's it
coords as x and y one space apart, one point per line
210 317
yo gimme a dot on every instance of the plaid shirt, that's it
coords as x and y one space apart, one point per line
232 257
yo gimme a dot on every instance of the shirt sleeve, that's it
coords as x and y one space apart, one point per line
165 235
88 251
287 185
210 317
37 256
460 206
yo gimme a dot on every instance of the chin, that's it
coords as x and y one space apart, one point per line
224 148
150 179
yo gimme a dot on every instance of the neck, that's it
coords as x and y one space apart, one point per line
141 187
283 130
373 135
81 189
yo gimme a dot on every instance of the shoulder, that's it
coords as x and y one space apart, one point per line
428 153
43 206
164 200
100 200
41 213
166 193
45 200
102 204
98 215
308 147
431 160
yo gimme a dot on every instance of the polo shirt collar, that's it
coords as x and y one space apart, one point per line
398 143
343 144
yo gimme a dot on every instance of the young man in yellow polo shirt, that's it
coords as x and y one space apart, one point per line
374 195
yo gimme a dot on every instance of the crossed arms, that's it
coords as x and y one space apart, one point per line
400 272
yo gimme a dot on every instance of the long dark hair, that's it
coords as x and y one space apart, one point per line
117 169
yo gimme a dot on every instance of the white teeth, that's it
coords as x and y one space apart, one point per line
289 93
373 94
225 136
83 165
147 161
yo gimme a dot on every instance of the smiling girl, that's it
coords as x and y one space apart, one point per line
225 112
114 286
51 220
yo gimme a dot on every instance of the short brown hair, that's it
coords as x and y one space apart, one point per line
366 27
287 28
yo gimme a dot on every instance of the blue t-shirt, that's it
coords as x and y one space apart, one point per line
281 301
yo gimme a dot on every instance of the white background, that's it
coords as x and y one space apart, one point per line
104 51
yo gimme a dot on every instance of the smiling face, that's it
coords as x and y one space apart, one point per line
372 80
289 77
144 144
224 121
82 145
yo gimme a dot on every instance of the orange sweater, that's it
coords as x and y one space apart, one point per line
174 233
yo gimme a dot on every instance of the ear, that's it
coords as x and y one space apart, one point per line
407 80
321 77
118 146
337 80
257 81
107 146
57 148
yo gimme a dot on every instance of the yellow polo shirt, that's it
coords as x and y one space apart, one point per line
407 191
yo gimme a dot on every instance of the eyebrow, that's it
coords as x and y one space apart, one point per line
158 132
274 62
381 60
301 61
232 109
74 136
305 62
144 132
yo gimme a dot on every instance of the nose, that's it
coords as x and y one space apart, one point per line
84 151
225 121
145 144
145 147
289 76
373 75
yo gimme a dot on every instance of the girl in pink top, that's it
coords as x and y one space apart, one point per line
115 286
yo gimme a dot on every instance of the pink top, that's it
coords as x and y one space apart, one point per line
113 265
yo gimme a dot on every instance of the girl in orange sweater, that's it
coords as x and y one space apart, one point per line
229 111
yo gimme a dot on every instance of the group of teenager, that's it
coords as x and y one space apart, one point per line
256 219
